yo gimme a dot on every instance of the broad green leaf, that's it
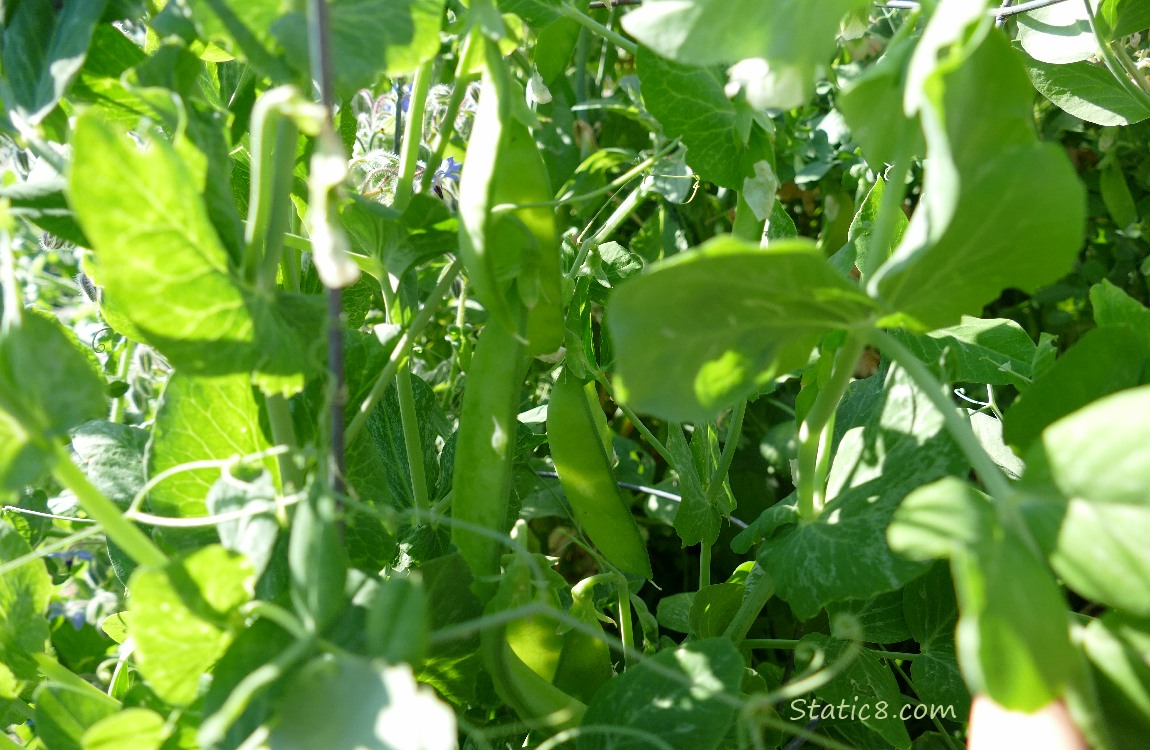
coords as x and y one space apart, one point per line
794 37
978 229
881 617
162 264
201 419
350 702
128 729
1076 380
1114 307
865 680
48 400
42 202
369 39
843 554
1116 692
64 713
538 13
673 695
1057 34
995 351
988 430
1088 91
453 667
1013 637
1087 479
244 28
938 518
1117 197
674 611
44 46
867 258
690 104
112 456
397 622
184 616
713 607
253 536
872 108
24 596
695 520
1119 18
931 614
682 357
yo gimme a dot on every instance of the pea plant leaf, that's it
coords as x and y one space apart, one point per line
1088 91
977 350
699 358
690 104
963 247
1084 486
24 595
1057 34
160 259
843 554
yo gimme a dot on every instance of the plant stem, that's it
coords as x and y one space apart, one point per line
626 626
413 136
123 368
408 418
402 348
759 590
283 433
1134 84
617 217
719 475
103 511
594 26
811 495
649 436
889 210
704 564
447 127
992 477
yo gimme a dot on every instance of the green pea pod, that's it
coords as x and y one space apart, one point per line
511 256
585 473
317 561
524 656
485 445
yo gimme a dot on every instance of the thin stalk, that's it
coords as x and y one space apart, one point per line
617 217
283 433
626 626
609 188
719 475
704 564
447 127
958 427
402 348
595 27
760 588
893 196
319 50
408 418
103 511
123 368
811 495
460 319
1135 85
649 436
273 149
409 151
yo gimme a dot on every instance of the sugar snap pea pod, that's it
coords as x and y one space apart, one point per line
317 561
585 473
481 483
511 255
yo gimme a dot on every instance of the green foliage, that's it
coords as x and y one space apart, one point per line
687 374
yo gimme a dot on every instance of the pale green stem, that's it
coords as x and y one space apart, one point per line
893 195
103 511
626 626
620 214
123 369
408 418
704 564
811 496
595 27
283 433
1134 84
447 127
402 349
958 427
460 319
413 136
758 592
649 436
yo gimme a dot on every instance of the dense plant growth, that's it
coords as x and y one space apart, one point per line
690 374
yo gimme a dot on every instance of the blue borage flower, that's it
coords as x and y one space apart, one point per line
74 611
